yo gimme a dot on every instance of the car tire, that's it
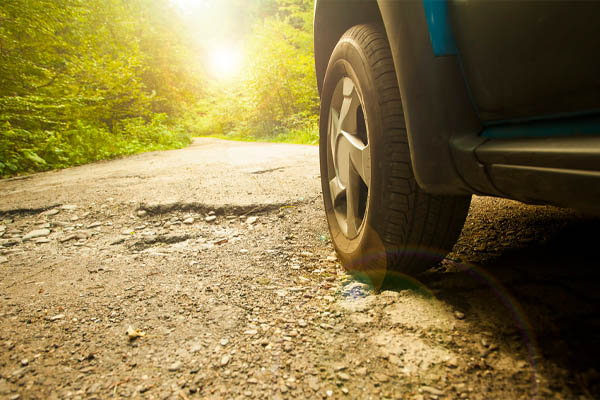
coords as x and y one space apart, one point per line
378 217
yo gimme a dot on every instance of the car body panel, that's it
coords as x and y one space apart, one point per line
456 129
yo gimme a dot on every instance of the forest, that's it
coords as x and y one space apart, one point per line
85 80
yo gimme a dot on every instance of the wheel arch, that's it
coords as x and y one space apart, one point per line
332 19
437 107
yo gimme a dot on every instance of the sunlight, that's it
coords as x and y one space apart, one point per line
225 61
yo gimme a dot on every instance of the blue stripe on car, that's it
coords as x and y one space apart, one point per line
440 31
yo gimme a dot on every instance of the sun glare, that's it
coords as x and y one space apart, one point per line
225 62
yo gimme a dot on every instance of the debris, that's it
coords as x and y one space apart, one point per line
133 334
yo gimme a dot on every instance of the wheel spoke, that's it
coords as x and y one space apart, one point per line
334 131
350 104
352 206
358 154
336 189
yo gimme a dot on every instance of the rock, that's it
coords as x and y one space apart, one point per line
331 258
94 225
196 347
251 332
176 366
225 360
224 342
210 218
189 221
41 240
142 213
302 323
313 383
452 363
343 376
381 377
432 390
345 391
57 317
69 207
362 371
117 241
459 315
329 393
36 234
243 251
51 212
3 260
251 220
24 362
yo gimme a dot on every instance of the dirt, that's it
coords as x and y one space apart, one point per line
208 272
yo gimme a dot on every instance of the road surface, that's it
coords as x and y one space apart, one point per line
207 272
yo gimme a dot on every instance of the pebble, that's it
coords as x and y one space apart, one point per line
329 393
244 251
313 383
69 207
225 360
94 225
189 221
36 234
142 213
459 315
223 342
50 213
24 362
302 323
57 317
251 220
176 366
210 218
343 376
432 390
251 332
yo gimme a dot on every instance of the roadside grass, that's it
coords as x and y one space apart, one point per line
309 135
26 151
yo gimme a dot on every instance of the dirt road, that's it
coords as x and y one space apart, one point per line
207 272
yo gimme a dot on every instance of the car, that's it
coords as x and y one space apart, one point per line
427 102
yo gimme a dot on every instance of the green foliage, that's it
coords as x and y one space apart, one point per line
82 80
276 96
